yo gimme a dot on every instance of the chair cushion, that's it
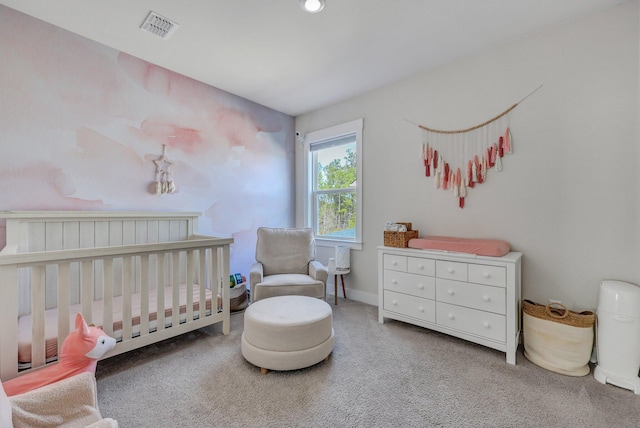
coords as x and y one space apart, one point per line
288 284
285 250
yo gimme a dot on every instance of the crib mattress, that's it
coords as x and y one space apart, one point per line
480 247
51 319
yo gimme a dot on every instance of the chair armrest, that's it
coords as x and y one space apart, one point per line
255 277
318 271
73 399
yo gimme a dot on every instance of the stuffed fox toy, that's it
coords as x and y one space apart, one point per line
80 352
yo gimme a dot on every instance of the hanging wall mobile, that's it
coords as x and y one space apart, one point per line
459 159
164 174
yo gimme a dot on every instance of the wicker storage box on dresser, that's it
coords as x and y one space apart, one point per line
472 297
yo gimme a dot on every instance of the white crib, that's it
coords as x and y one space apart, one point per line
112 267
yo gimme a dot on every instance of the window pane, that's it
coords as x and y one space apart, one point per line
336 215
336 167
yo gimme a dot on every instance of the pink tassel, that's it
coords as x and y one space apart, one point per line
485 167
507 141
501 147
445 178
457 182
478 167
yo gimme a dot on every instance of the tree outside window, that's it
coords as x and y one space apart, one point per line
335 194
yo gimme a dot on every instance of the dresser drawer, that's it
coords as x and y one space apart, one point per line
415 307
394 262
472 321
451 270
408 283
488 275
482 297
421 266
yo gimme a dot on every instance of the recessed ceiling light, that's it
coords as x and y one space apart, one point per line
312 6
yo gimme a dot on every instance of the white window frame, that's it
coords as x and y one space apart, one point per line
349 128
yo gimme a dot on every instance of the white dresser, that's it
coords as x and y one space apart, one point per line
472 297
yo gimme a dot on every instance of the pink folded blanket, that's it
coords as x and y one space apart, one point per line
480 247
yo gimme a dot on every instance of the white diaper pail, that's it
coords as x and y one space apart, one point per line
618 335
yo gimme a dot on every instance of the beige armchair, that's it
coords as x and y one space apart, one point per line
286 265
70 402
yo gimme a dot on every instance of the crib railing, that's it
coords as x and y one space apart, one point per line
105 273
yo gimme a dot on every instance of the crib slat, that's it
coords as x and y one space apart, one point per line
64 302
53 236
214 265
128 232
163 231
223 288
70 235
175 310
115 233
9 319
190 266
102 233
202 281
107 296
160 284
127 263
144 295
174 230
87 234
152 231
38 289
86 286
141 232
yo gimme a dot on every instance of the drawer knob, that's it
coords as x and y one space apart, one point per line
421 286
450 316
450 292
486 298
421 267
486 275
394 281
420 309
394 302
486 324
450 270
394 262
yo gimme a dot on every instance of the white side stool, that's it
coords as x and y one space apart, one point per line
332 270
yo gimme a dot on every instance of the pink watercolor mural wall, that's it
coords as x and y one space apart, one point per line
81 124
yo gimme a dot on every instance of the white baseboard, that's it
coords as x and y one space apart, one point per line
358 296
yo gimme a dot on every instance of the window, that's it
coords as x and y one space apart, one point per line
333 197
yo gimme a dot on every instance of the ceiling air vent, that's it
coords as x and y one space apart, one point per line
159 25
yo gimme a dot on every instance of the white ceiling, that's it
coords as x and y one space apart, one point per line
273 53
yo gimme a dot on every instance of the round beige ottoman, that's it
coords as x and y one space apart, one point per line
287 332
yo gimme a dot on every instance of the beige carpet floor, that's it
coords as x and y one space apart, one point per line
379 375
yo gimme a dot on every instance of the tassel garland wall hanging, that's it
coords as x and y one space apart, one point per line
458 160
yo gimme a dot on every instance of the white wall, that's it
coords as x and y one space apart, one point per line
567 196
